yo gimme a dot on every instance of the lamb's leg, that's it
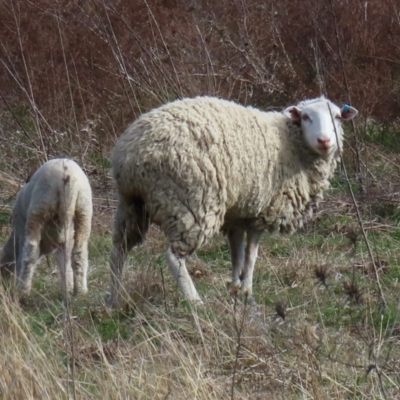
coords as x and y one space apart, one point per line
253 240
177 267
236 240
80 252
64 266
80 266
19 261
130 228
30 255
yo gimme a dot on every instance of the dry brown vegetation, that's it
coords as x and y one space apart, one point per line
73 74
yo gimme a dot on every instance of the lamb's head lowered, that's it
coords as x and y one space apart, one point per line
320 120
7 263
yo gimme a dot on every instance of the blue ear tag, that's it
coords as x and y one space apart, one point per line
345 109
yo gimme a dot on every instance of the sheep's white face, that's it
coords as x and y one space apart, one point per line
319 119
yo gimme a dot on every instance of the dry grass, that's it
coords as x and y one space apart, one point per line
318 332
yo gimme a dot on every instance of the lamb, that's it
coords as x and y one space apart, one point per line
52 212
198 166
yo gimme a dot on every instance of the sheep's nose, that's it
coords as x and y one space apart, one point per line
324 140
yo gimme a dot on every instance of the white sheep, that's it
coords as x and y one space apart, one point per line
53 211
198 166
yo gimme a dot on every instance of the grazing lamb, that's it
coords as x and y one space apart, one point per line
198 166
53 211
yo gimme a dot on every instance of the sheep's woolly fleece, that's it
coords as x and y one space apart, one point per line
204 164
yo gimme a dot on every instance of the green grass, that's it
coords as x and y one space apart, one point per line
331 333
100 160
110 329
4 218
384 135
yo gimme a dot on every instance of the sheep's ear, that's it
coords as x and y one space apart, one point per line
348 112
293 112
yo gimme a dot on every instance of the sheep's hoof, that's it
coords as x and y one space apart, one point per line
197 302
79 291
22 295
234 287
249 300
23 288
111 300
24 300
248 295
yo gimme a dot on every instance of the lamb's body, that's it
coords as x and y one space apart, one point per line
53 211
200 165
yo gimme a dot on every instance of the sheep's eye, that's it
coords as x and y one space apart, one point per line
305 117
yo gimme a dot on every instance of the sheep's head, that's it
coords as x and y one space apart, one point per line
2 256
320 121
6 266
2 263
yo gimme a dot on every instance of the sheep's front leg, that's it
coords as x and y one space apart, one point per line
125 236
177 267
27 263
19 263
253 240
30 253
236 245
119 254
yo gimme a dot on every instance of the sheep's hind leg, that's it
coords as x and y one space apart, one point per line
177 267
64 266
80 254
130 228
253 240
236 240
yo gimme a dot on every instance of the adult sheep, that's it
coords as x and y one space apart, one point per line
198 166
53 211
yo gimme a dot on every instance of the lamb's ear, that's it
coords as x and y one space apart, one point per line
293 112
348 112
